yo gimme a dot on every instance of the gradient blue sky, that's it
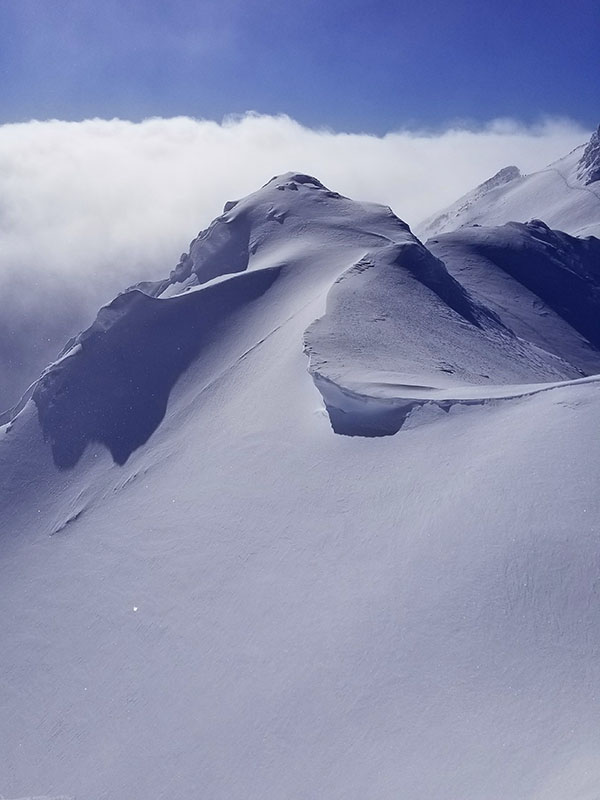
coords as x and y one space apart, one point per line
350 65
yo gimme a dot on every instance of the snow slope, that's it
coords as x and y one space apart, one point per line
543 284
207 592
400 332
566 195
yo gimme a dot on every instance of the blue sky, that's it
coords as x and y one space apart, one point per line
349 65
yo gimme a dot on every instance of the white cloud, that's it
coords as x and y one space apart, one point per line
87 208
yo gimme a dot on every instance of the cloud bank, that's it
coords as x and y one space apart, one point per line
87 208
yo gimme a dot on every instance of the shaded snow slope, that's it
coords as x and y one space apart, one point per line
272 225
252 606
558 274
589 165
399 332
561 194
258 606
115 389
395 319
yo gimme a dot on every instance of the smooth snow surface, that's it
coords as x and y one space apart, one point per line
536 280
560 195
208 592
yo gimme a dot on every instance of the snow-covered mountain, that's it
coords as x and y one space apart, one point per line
565 195
315 516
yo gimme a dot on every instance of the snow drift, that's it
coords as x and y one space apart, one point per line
313 516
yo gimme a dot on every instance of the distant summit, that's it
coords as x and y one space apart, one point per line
564 195
444 221
505 175
589 166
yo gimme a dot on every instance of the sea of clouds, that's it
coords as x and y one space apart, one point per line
88 208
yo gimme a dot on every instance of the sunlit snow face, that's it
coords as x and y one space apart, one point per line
87 209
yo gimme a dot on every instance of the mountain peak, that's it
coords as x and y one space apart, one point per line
589 165
297 178
505 175
553 194
445 220
218 559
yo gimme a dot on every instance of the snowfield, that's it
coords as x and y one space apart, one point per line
315 516
561 195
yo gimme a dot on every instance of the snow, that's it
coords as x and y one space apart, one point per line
208 592
536 280
588 170
558 194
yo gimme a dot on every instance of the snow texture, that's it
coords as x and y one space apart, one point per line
223 576
565 195
589 166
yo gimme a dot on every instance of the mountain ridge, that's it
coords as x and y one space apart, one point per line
324 526
559 194
250 239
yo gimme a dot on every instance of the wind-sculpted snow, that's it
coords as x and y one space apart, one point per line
249 227
115 389
397 322
562 271
375 407
250 606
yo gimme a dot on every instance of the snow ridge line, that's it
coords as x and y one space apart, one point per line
358 413
253 347
570 185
